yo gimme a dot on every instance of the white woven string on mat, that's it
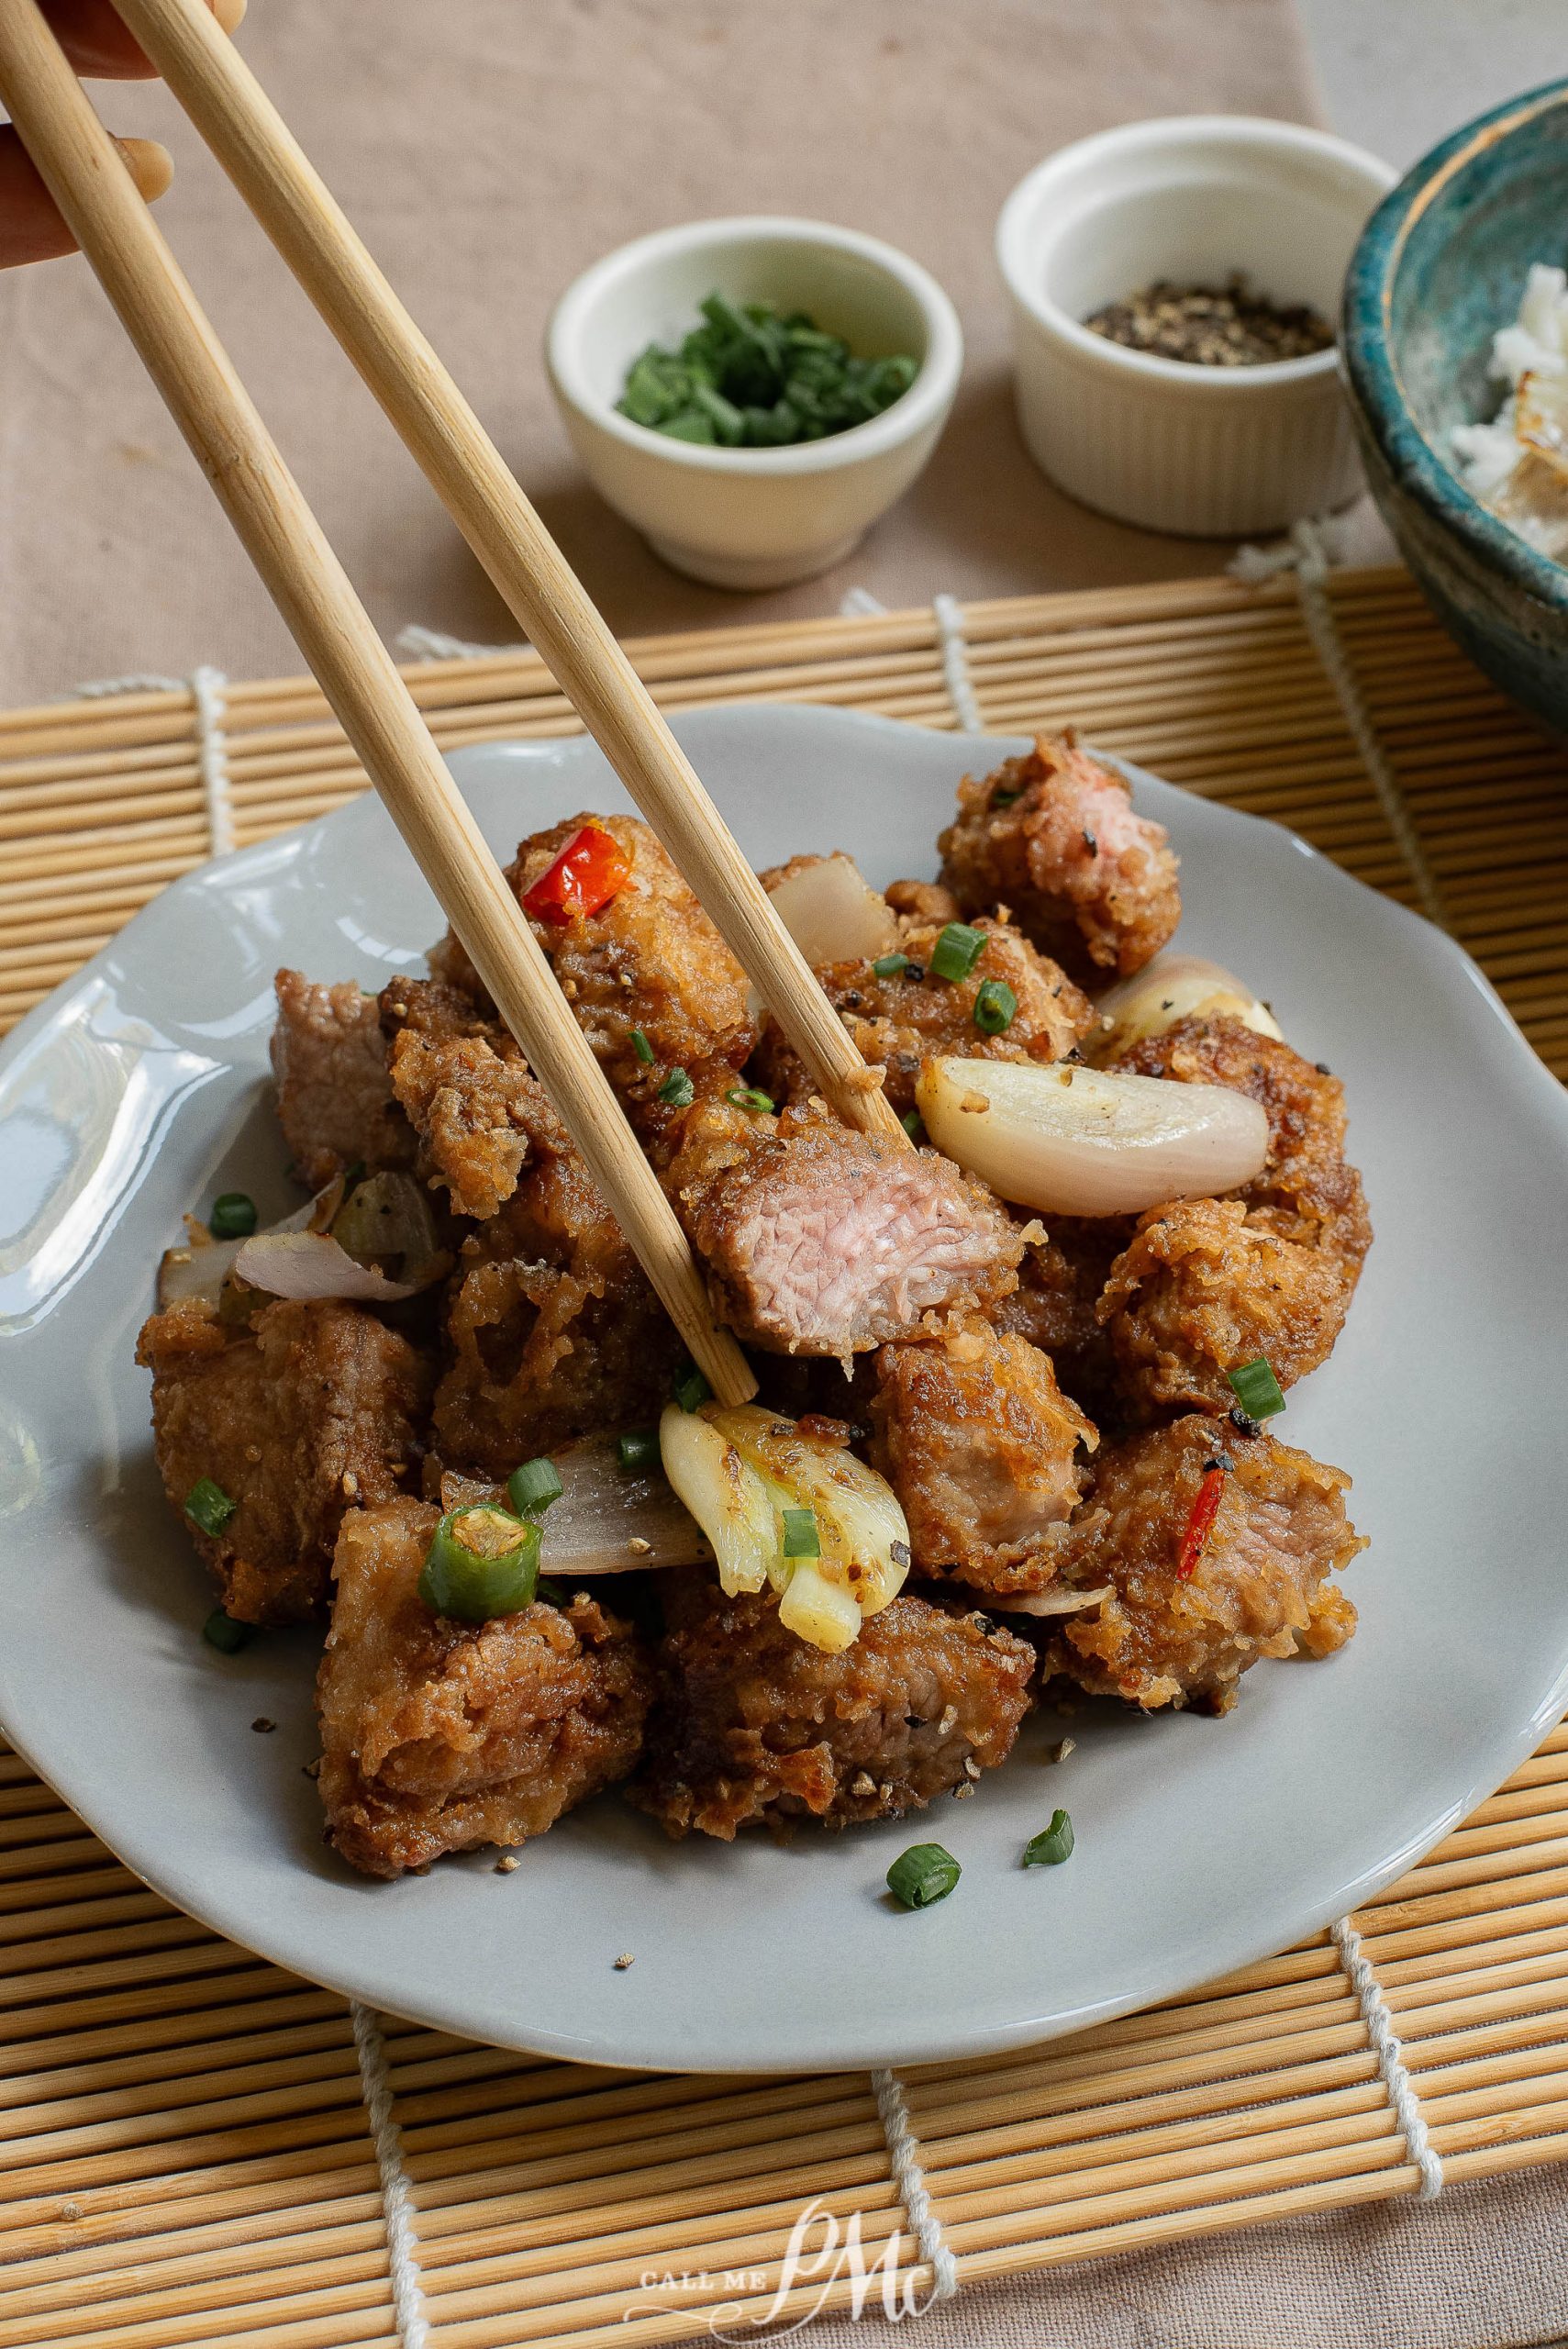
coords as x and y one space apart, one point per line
1385 2046
1308 552
955 664
909 2178
417 644
208 689
397 2198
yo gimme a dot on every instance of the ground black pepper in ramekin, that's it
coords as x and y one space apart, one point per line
1211 326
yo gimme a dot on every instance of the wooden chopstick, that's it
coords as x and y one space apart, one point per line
85 173
293 204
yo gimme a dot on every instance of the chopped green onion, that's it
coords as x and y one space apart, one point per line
643 1048
1257 1389
1004 798
221 1631
208 1506
921 1875
481 1561
746 1096
639 1450
995 1006
678 1090
957 950
887 966
801 1539
913 1125
554 1594
533 1486
1051 1845
233 1216
692 1389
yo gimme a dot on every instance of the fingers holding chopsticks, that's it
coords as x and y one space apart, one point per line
97 43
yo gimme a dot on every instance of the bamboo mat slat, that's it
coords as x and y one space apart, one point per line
187 2159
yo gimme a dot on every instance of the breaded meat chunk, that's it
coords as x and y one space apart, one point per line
309 1409
751 1724
1053 836
1054 1306
335 1101
553 1329
1260 1586
466 1090
436 1735
923 901
983 1450
1202 1288
904 1017
818 1241
1307 1191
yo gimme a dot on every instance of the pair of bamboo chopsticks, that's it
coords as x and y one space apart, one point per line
83 170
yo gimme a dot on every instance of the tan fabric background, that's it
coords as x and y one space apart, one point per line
489 149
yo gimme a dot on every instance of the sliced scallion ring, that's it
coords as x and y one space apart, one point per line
643 1048
801 1538
957 950
677 1090
996 1007
208 1506
692 1389
233 1216
1257 1389
923 1874
638 1450
1051 1845
887 966
533 1486
221 1631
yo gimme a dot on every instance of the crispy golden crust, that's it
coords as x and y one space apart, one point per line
980 1447
1260 1586
437 1736
1059 1282
295 1417
822 1241
923 901
335 1102
465 1089
898 1021
751 1724
1052 836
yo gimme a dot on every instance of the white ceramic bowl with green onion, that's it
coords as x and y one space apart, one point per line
752 518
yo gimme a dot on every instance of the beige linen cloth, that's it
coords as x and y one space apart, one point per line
490 148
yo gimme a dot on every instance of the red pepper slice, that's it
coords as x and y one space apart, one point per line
1199 1524
591 870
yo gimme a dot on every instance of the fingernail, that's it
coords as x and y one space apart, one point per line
228 13
150 165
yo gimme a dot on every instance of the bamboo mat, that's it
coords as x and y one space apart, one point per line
187 2155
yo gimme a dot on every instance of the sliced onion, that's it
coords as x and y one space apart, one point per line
195 1273
1060 1601
1075 1141
1170 988
306 1265
833 914
389 1215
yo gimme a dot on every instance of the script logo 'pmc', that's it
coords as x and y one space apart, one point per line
837 2254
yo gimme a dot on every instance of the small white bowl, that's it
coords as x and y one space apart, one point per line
1206 452
752 518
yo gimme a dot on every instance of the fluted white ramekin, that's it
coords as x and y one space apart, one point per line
1207 452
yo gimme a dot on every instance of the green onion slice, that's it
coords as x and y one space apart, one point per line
533 1486
221 1631
678 1090
554 1594
801 1539
913 1125
208 1506
639 1450
233 1216
748 1096
1051 1845
995 1006
643 1048
887 966
921 1875
692 1389
957 950
481 1561
1257 1389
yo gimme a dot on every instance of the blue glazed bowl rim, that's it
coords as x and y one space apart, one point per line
1372 369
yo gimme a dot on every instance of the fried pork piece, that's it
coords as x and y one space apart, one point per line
1060 1283
311 1408
981 1446
650 960
898 1021
923 901
1259 1587
553 1327
751 1724
466 1090
1053 836
437 1736
335 1101
818 1241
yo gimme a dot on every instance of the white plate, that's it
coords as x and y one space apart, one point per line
139 1090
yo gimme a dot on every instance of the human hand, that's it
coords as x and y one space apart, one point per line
98 44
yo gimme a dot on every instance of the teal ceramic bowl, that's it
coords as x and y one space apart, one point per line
1441 266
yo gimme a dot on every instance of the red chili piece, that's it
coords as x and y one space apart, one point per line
1199 1524
591 869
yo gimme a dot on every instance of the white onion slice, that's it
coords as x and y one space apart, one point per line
833 914
1075 1141
1060 1601
1170 988
195 1273
306 1265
